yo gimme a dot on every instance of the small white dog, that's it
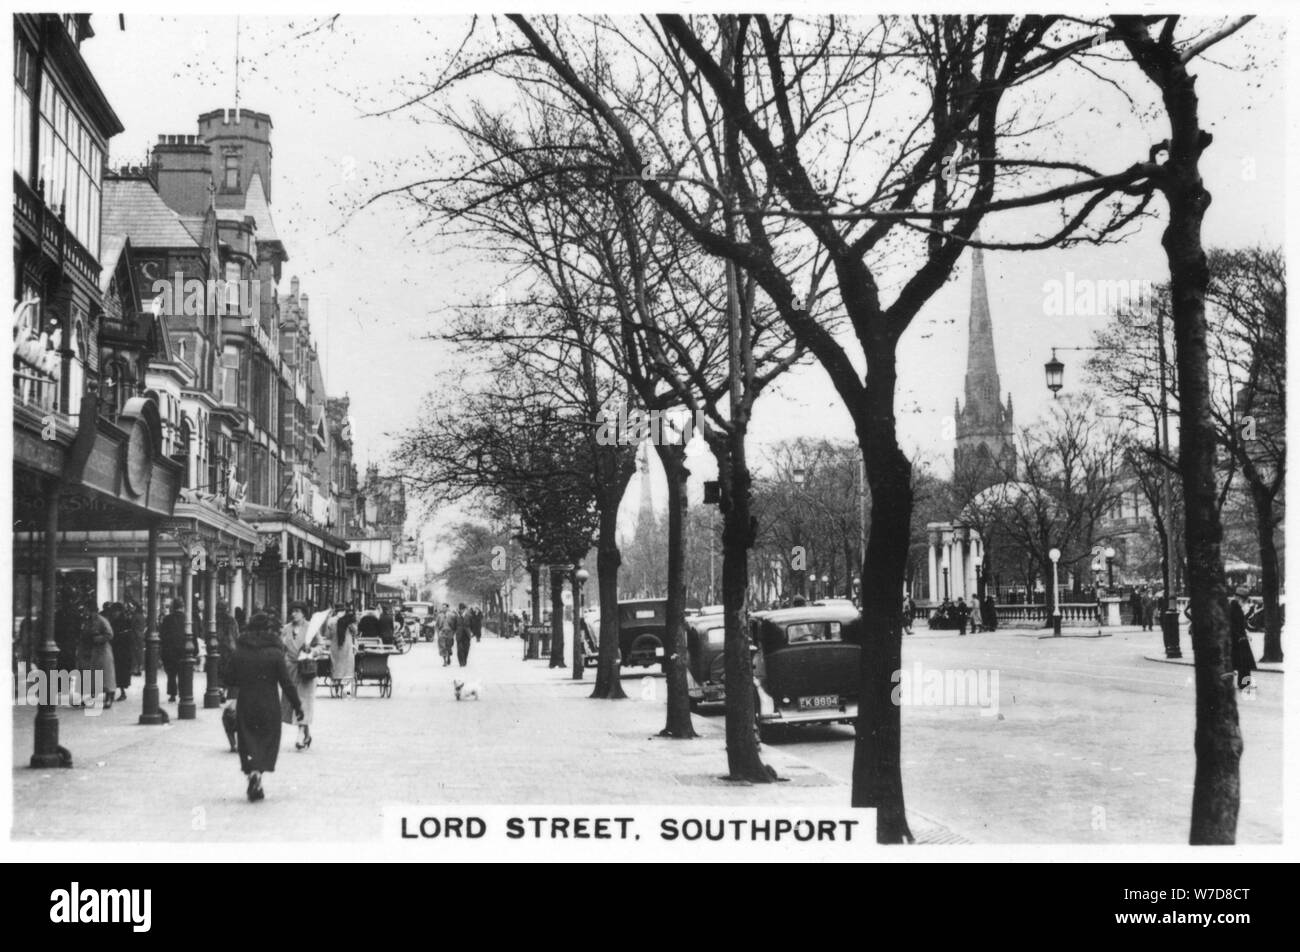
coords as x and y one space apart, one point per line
464 691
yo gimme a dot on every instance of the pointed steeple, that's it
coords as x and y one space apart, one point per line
985 445
982 385
646 511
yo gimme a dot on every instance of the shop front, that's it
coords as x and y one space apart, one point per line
109 478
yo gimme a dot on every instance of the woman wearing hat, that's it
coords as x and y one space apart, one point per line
298 643
257 673
1243 658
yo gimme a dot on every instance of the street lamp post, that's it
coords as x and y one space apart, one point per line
1110 569
1055 371
826 586
1055 556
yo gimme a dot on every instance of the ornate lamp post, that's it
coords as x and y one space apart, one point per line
1055 556
826 585
1110 569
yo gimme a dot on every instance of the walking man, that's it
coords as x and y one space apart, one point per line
463 635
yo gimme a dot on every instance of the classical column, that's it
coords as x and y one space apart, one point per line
933 591
186 709
212 696
46 751
151 712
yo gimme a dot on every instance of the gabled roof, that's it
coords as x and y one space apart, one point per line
134 209
255 207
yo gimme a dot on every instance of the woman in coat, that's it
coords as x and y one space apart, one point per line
95 655
341 632
297 642
123 653
258 672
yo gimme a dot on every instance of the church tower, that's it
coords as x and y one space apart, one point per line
986 452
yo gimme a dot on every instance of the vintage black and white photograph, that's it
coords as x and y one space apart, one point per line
626 434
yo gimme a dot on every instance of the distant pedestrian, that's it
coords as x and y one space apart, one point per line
139 626
446 635
909 607
171 635
1243 658
1135 606
95 654
463 634
990 613
962 613
1148 609
228 631
476 623
386 627
341 633
258 673
123 649
298 646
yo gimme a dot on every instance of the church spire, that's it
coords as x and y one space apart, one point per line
985 445
646 512
983 388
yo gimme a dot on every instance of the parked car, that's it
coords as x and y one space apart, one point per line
426 620
591 638
805 666
705 680
641 632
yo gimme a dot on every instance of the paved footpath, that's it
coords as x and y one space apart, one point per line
535 737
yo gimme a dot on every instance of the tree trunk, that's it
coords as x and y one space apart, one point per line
557 617
578 646
877 762
679 703
744 759
609 684
1269 582
535 578
1216 798
1217 793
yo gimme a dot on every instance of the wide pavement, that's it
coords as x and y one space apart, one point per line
1091 743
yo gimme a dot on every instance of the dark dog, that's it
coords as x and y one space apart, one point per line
228 722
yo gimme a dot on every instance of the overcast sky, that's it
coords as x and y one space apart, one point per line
378 284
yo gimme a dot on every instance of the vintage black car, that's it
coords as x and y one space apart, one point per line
641 632
805 666
642 627
705 682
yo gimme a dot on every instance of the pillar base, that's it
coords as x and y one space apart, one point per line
211 698
61 757
186 710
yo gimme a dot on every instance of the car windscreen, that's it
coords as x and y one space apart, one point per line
805 632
